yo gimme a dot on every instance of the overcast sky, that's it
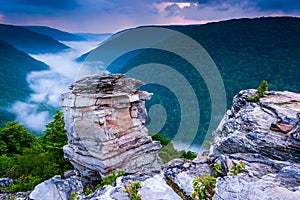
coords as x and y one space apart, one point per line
102 16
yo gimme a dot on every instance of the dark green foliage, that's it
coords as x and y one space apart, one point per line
163 141
168 152
14 67
55 135
30 160
190 155
245 51
260 92
132 190
108 180
14 138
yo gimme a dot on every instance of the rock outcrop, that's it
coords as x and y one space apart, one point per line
105 121
263 135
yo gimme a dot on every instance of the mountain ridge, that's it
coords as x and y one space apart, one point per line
14 65
246 51
29 41
55 33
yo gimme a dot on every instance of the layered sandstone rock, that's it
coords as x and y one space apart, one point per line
105 121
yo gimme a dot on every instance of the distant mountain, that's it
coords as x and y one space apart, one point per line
29 41
14 67
94 36
246 51
55 33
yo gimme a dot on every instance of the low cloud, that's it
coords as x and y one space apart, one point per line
29 115
48 85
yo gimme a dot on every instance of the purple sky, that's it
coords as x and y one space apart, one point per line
100 16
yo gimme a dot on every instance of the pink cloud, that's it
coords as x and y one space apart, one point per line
1 17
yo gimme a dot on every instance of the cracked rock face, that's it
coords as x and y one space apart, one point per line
265 137
270 127
105 120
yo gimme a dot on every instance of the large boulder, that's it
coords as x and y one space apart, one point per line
270 127
263 135
105 120
56 188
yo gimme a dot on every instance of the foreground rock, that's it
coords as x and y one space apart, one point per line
57 189
265 136
105 117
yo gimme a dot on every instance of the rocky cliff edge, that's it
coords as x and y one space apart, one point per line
263 135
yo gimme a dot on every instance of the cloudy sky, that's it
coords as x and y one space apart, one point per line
100 16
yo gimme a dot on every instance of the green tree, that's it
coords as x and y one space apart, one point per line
30 160
261 91
14 137
55 134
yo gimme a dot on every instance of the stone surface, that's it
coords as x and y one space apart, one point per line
239 188
5 182
263 136
181 173
16 196
250 127
105 120
57 189
153 187
157 188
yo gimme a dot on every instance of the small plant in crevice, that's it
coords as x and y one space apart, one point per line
74 196
88 191
108 180
132 190
204 186
260 92
236 169
216 169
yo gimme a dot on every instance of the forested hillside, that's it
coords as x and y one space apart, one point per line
246 51
14 66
